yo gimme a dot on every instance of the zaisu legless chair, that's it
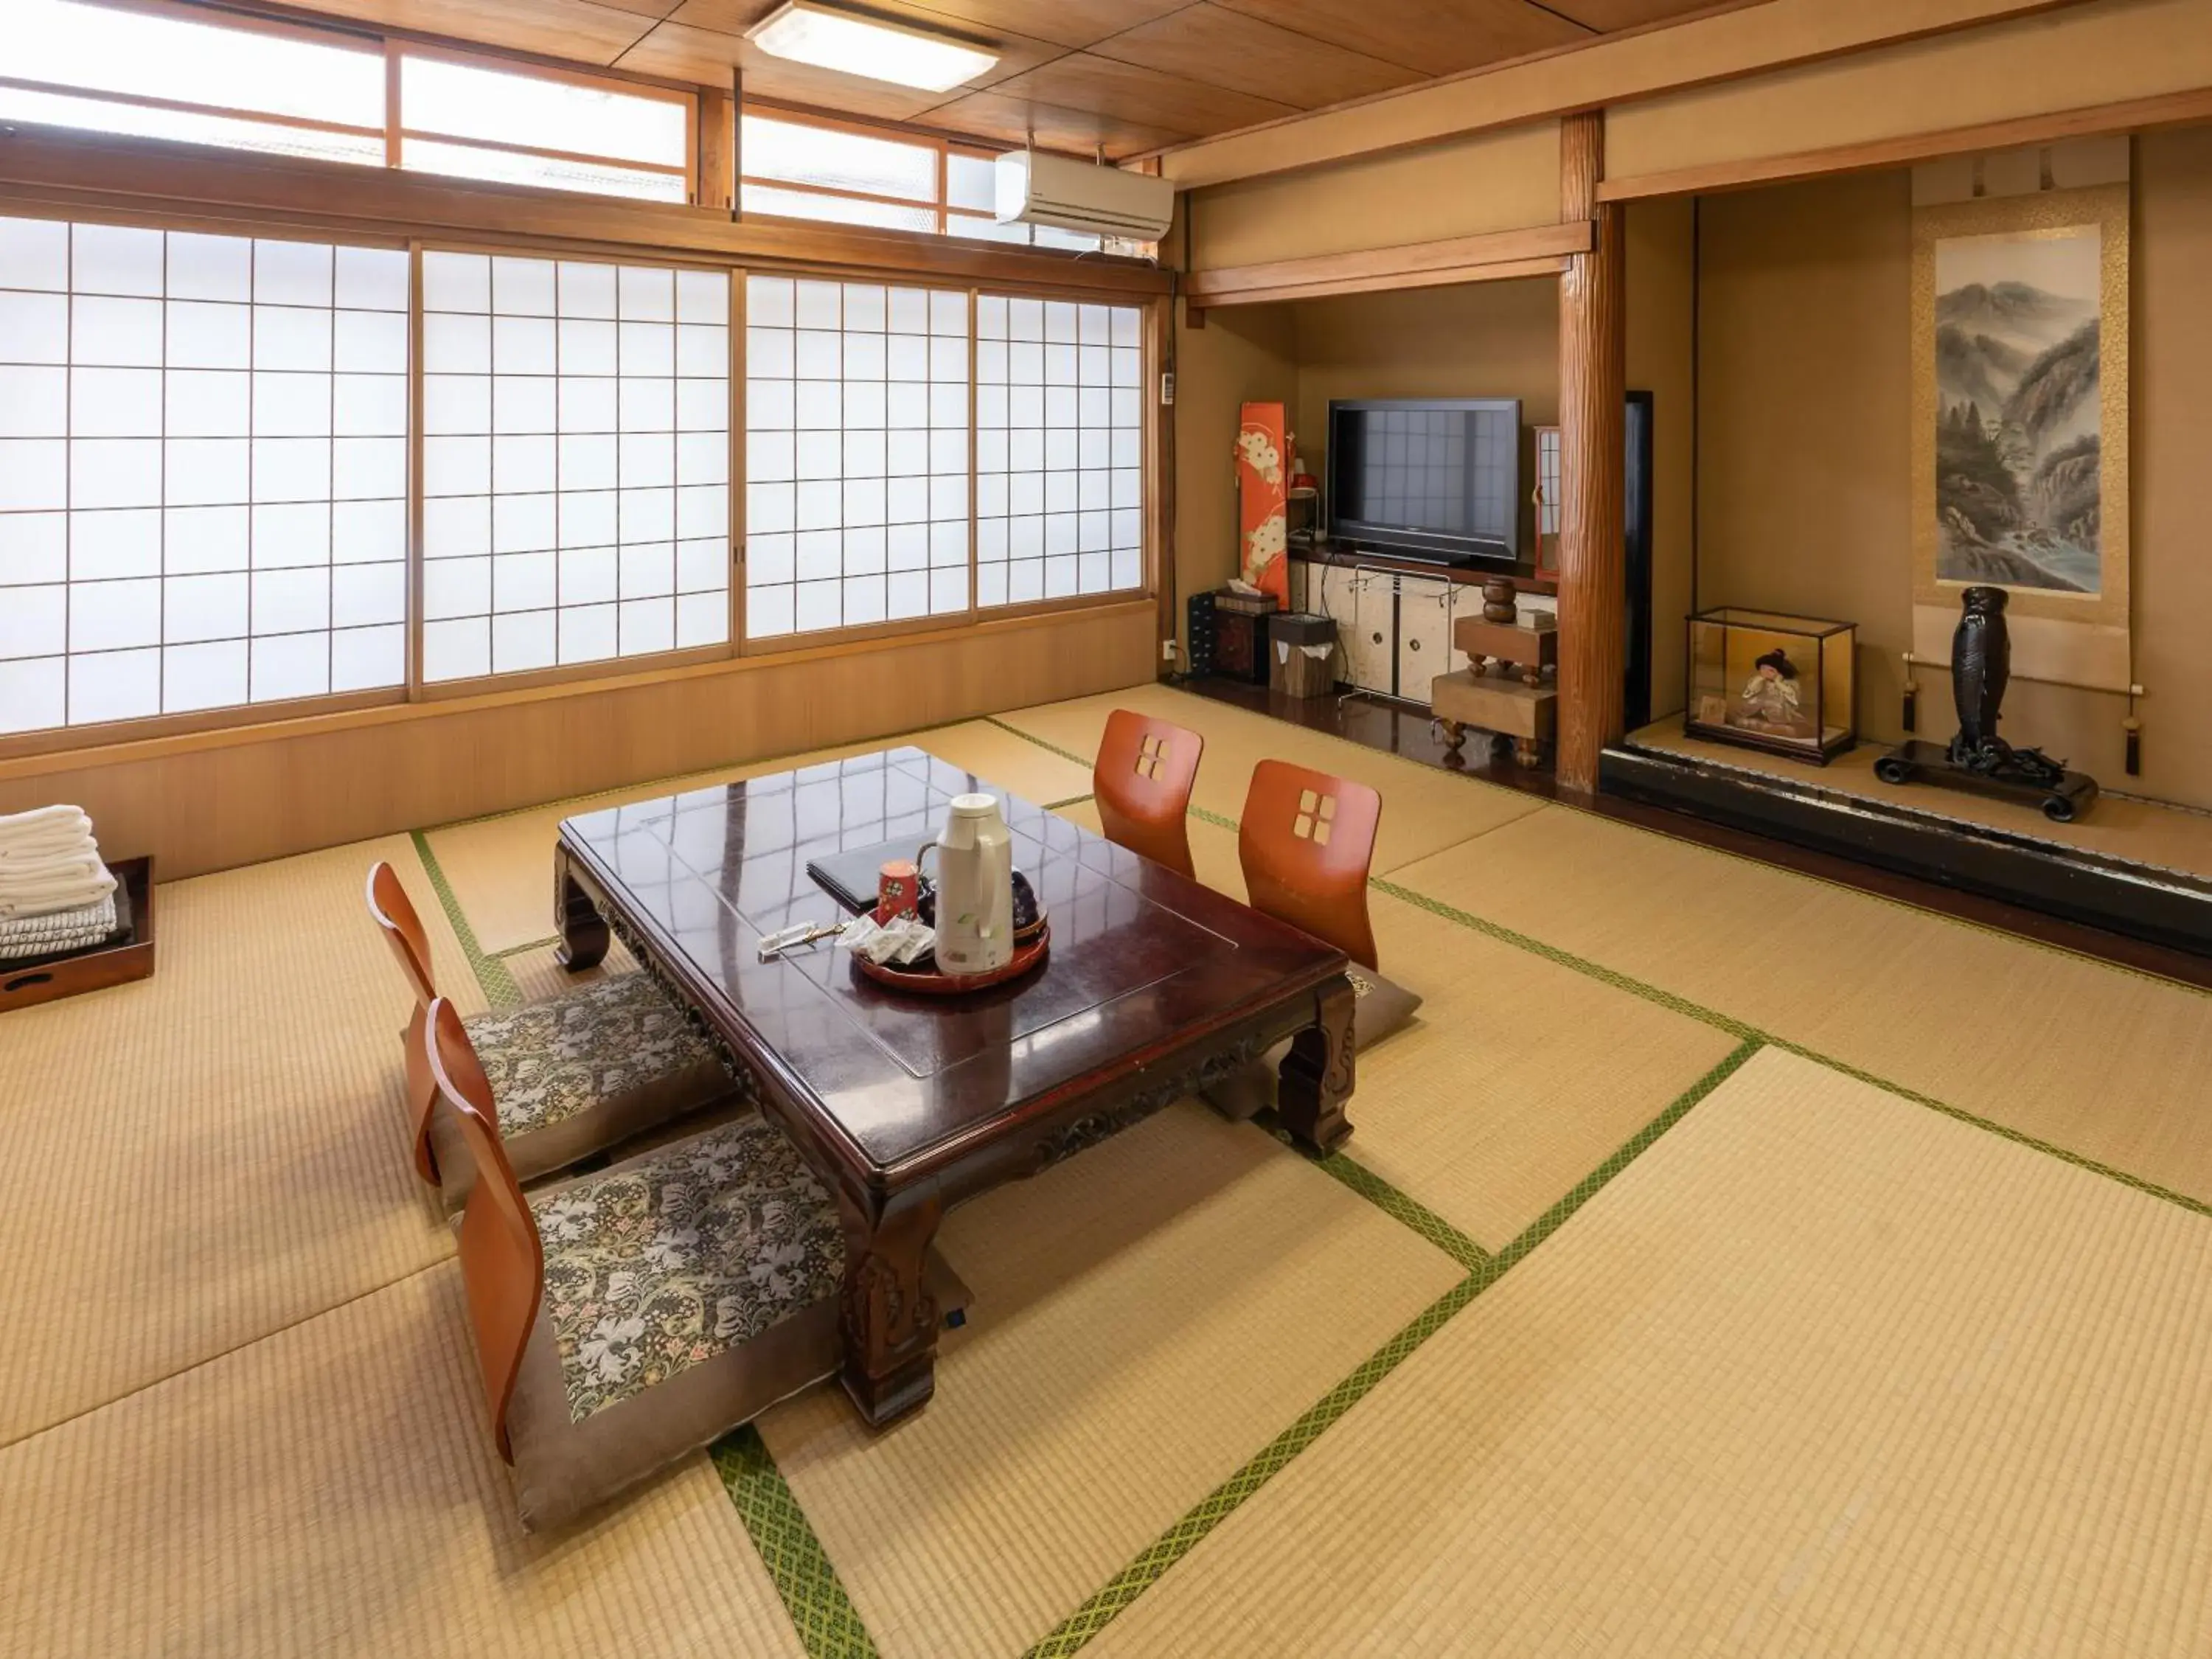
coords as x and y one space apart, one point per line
569 1076
1141 782
1306 842
635 1314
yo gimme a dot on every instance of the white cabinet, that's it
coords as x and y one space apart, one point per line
1394 628
1371 644
1424 631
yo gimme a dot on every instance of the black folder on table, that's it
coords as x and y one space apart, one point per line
852 877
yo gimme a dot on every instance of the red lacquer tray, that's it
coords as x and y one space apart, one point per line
1028 953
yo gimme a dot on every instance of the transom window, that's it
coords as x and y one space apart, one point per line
797 168
252 84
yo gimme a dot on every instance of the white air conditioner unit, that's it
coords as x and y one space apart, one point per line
1051 190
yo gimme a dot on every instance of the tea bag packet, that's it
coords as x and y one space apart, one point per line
901 940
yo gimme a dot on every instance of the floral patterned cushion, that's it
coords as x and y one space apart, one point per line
680 1256
550 1060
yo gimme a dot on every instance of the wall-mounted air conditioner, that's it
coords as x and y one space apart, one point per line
1052 189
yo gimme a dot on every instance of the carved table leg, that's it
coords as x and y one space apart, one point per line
1317 1078
889 1318
583 930
1454 735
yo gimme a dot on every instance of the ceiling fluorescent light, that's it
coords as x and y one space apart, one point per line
853 43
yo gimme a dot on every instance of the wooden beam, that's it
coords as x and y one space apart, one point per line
1506 270
1390 267
72 171
1593 463
2172 109
1727 43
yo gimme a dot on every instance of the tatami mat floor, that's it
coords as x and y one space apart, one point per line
1723 1262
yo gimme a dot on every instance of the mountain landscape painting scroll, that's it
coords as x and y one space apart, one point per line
2019 438
2020 443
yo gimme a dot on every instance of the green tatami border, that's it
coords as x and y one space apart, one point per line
829 1625
492 977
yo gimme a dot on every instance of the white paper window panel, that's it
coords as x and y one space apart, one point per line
203 470
576 440
858 410
1059 443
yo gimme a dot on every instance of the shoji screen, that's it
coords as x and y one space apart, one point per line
576 462
202 471
856 454
1059 488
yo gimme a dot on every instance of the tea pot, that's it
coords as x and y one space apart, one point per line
975 887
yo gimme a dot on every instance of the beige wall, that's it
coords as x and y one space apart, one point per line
1662 361
236 796
1498 181
1805 387
1243 354
2105 53
1483 340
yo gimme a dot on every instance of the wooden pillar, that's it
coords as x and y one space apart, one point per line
1593 463
718 146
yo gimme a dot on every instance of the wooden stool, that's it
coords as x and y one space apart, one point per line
1533 644
1513 709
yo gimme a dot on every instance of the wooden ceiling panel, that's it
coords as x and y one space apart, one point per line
1434 37
998 119
581 31
1064 22
1210 43
1611 14
1084 80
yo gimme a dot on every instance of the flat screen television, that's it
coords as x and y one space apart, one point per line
1435 479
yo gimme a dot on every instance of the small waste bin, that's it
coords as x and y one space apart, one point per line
1302 653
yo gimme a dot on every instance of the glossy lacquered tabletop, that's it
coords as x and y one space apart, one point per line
1142 960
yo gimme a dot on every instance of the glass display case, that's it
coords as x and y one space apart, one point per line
1769 680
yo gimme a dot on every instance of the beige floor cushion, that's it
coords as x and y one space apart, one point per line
1384 1009
578 1073
686 1292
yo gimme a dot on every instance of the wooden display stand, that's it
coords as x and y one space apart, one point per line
1511 708
1531 646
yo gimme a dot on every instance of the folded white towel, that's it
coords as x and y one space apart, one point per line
84 940
46 867
59 893
60 837
43 817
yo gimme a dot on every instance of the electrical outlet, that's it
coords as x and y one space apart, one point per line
1167 650
1167 388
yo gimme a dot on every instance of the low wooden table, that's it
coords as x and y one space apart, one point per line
905 1105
